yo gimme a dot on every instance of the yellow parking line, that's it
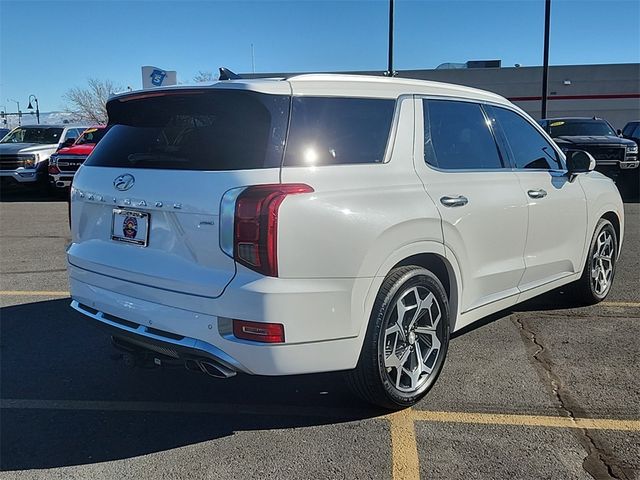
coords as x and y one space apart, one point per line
527 420
621 304
33 293
404 450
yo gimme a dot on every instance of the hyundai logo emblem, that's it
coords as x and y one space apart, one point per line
124 182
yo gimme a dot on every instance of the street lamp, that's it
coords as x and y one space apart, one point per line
19 112
30 107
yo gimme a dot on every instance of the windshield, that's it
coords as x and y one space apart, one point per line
44 135
570 128
223 130
91 135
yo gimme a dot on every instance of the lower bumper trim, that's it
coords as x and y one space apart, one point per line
167 343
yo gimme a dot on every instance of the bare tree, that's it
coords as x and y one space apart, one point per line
89 103
201 77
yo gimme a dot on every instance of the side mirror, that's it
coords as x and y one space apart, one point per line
619 132
579 161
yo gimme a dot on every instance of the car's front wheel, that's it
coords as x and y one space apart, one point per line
406 341
600 266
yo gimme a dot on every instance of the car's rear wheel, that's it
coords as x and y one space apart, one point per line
406 342
600 266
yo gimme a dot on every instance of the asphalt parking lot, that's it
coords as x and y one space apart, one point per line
548 390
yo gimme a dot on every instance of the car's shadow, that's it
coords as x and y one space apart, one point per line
55 368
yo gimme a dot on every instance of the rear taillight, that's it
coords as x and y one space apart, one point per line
253 239
259 331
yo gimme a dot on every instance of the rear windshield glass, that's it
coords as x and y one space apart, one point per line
195 130
329 131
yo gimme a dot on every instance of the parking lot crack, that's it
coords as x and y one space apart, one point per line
598 463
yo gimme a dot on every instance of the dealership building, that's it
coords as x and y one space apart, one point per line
607 91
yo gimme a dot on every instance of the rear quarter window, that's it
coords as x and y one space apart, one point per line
195 130
332 130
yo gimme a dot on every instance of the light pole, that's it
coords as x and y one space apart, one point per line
390 72
19 112
545 61
30 107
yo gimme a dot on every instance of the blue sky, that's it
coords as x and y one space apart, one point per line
48 47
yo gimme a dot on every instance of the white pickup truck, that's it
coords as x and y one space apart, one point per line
25 152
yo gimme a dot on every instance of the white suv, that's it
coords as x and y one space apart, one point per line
328 222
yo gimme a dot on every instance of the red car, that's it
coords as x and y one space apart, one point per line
64 163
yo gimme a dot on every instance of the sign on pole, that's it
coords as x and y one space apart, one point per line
157 77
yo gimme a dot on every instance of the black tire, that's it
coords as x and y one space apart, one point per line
585 288
371 380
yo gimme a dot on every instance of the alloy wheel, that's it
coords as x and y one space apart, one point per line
602 263
413 339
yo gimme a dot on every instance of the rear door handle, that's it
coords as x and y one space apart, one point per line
459 201
537 193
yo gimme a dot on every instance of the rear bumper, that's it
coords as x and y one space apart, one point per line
164 343
321 330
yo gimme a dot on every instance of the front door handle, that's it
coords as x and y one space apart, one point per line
459 201
537 193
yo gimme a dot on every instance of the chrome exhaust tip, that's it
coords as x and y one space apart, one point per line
216 370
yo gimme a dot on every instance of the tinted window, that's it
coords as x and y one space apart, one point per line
44 135
195 130
577 127
456 136
528 148
91 135
328 131
72 133
631 129
628 129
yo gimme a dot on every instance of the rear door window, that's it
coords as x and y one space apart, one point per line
332 130
526 145
458 137
195 130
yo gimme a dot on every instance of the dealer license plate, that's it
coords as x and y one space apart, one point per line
130 226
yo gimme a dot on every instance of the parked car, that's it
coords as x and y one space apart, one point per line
614 155
25 152
65 162
328 222
631 131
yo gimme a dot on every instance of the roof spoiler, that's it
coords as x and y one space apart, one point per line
226 74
